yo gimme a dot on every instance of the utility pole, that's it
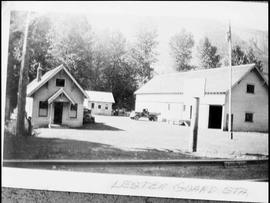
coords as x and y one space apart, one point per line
23 80
193 90
230 81
194 124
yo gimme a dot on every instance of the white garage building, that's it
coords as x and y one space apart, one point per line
164 94
99 102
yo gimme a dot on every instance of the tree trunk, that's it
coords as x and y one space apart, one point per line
23 80
7 109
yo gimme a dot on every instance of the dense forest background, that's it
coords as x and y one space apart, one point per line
106 60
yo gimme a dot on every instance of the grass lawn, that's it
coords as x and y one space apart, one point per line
47 148
213 172
53 148
205 172
108 138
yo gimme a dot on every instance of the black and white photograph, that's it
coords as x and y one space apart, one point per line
153 101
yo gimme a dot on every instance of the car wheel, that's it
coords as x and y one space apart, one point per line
136 117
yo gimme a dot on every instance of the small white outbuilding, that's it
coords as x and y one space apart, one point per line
99 102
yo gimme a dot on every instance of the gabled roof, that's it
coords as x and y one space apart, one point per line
266 76
58 93
99 96
216 80
33 86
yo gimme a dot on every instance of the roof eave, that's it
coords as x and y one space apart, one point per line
250 69
78 85
60 91
61 67
43 82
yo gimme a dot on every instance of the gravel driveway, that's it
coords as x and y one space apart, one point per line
127 134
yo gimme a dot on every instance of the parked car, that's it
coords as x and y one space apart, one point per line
120 112
87 116
145 113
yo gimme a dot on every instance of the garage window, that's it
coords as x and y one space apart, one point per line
73 111
43 109
249 117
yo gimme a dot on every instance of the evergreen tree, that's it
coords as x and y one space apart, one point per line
142 54
71 44
208 54
181 46
240 57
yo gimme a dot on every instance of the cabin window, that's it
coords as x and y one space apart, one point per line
99 106
93 105
169 106
60 82
184 107
250 88
249 117
106 107
43 109
73 110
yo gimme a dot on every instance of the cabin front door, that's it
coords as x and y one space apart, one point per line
58 112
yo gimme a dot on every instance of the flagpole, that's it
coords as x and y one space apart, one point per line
230 80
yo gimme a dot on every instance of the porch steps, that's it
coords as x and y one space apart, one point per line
57 126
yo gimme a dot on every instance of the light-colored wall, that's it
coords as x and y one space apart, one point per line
243 102
102 110
159 103
203 116
44 93
170 106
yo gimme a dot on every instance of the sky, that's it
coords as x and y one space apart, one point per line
255 15
128 16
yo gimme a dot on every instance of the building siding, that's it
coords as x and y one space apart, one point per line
203 116
45 92
177 106
102 110
243 102
168 105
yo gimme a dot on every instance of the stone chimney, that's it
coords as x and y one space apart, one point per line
39 72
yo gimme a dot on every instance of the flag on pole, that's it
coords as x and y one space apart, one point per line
229 34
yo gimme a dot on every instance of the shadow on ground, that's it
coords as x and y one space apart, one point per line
54 148
99 126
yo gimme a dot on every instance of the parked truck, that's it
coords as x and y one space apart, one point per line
145 113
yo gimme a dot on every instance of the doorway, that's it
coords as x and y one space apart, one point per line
58 112
215 116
